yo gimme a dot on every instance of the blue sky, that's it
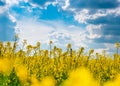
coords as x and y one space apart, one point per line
83 23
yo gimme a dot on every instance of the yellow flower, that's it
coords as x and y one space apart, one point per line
22 73
47 81
80 77
6 66
34 81
116 82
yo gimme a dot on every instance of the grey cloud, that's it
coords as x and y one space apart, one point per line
109 19
94 4
109 34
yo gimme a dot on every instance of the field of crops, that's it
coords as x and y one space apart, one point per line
54 67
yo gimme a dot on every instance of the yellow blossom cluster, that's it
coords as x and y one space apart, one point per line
32 66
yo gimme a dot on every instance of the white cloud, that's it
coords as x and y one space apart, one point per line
86 14
94 31
12 2
78 36
44 6
12 18
33 31
83 15
8 4
60 38
115 11
57 31
67 4
3 9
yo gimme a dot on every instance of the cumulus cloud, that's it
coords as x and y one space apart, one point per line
96 22
12 2
42 4
43 30
103 33
98 16
67 4
60 38
94 31
5 5
102 25
33 30
84 15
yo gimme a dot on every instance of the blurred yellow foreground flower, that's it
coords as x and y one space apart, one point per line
80 77
5 65
22 73
48 81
